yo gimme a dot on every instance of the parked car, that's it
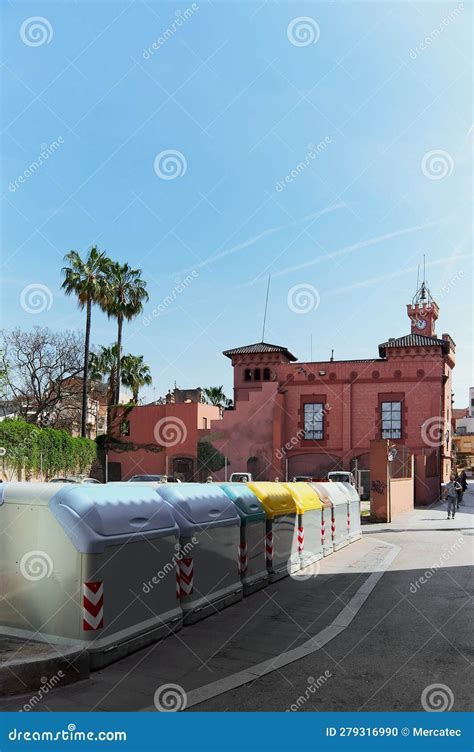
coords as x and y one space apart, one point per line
342 476
75 479
146 479
241 478
302 479
154 479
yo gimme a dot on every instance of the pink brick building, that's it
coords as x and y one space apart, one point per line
299 418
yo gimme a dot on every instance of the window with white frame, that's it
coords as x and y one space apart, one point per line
391 420
314 420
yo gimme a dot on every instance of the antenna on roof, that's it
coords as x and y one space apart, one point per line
422 294
332 356
265 313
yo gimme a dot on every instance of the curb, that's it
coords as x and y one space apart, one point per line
39 674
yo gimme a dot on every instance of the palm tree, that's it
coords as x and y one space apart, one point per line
135 374
103 365
126 293
86 279
214 395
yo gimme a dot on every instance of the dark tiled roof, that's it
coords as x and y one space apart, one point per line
414 340
259 347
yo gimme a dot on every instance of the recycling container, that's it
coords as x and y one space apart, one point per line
327 526
338 499
252 562
209 524
355 530
88 565
310 518
282 522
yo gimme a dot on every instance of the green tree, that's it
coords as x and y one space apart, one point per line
214 395
135 374
209 459
125 295
85 278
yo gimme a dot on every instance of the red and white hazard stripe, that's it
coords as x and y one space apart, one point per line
323 530
92 605
348 519
333 527
243 558
300 539
269 547
186 576
178 581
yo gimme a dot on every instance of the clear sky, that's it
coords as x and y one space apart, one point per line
328 144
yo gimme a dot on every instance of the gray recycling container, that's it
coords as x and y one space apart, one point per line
327 527
88 565
209 547
340 509
252 563
310 522
355 529
282 523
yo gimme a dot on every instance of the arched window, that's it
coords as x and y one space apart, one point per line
256 374
247 374
266 374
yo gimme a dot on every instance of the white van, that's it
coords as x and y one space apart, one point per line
342 476
241 478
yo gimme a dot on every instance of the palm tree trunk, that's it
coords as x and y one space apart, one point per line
119 358
85 378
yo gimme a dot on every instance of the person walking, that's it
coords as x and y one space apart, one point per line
463 478
451 496
459 489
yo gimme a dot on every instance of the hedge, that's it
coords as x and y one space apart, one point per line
53 450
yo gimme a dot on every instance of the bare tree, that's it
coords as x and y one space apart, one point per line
42 374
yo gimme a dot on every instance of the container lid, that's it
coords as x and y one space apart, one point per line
276 499
330 491
349 490
31 494
248 505
197 505
306 497
94 516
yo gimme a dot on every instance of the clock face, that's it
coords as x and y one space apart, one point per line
420 324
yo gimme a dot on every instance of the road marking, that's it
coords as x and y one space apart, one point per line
340 623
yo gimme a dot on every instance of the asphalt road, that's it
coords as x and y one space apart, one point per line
414 632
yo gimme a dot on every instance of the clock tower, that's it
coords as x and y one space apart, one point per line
423 312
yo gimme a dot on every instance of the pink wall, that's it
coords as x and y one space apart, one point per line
158 435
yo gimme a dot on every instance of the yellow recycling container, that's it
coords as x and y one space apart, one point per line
309 538
281 525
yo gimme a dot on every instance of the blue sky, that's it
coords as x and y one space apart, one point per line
326 144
